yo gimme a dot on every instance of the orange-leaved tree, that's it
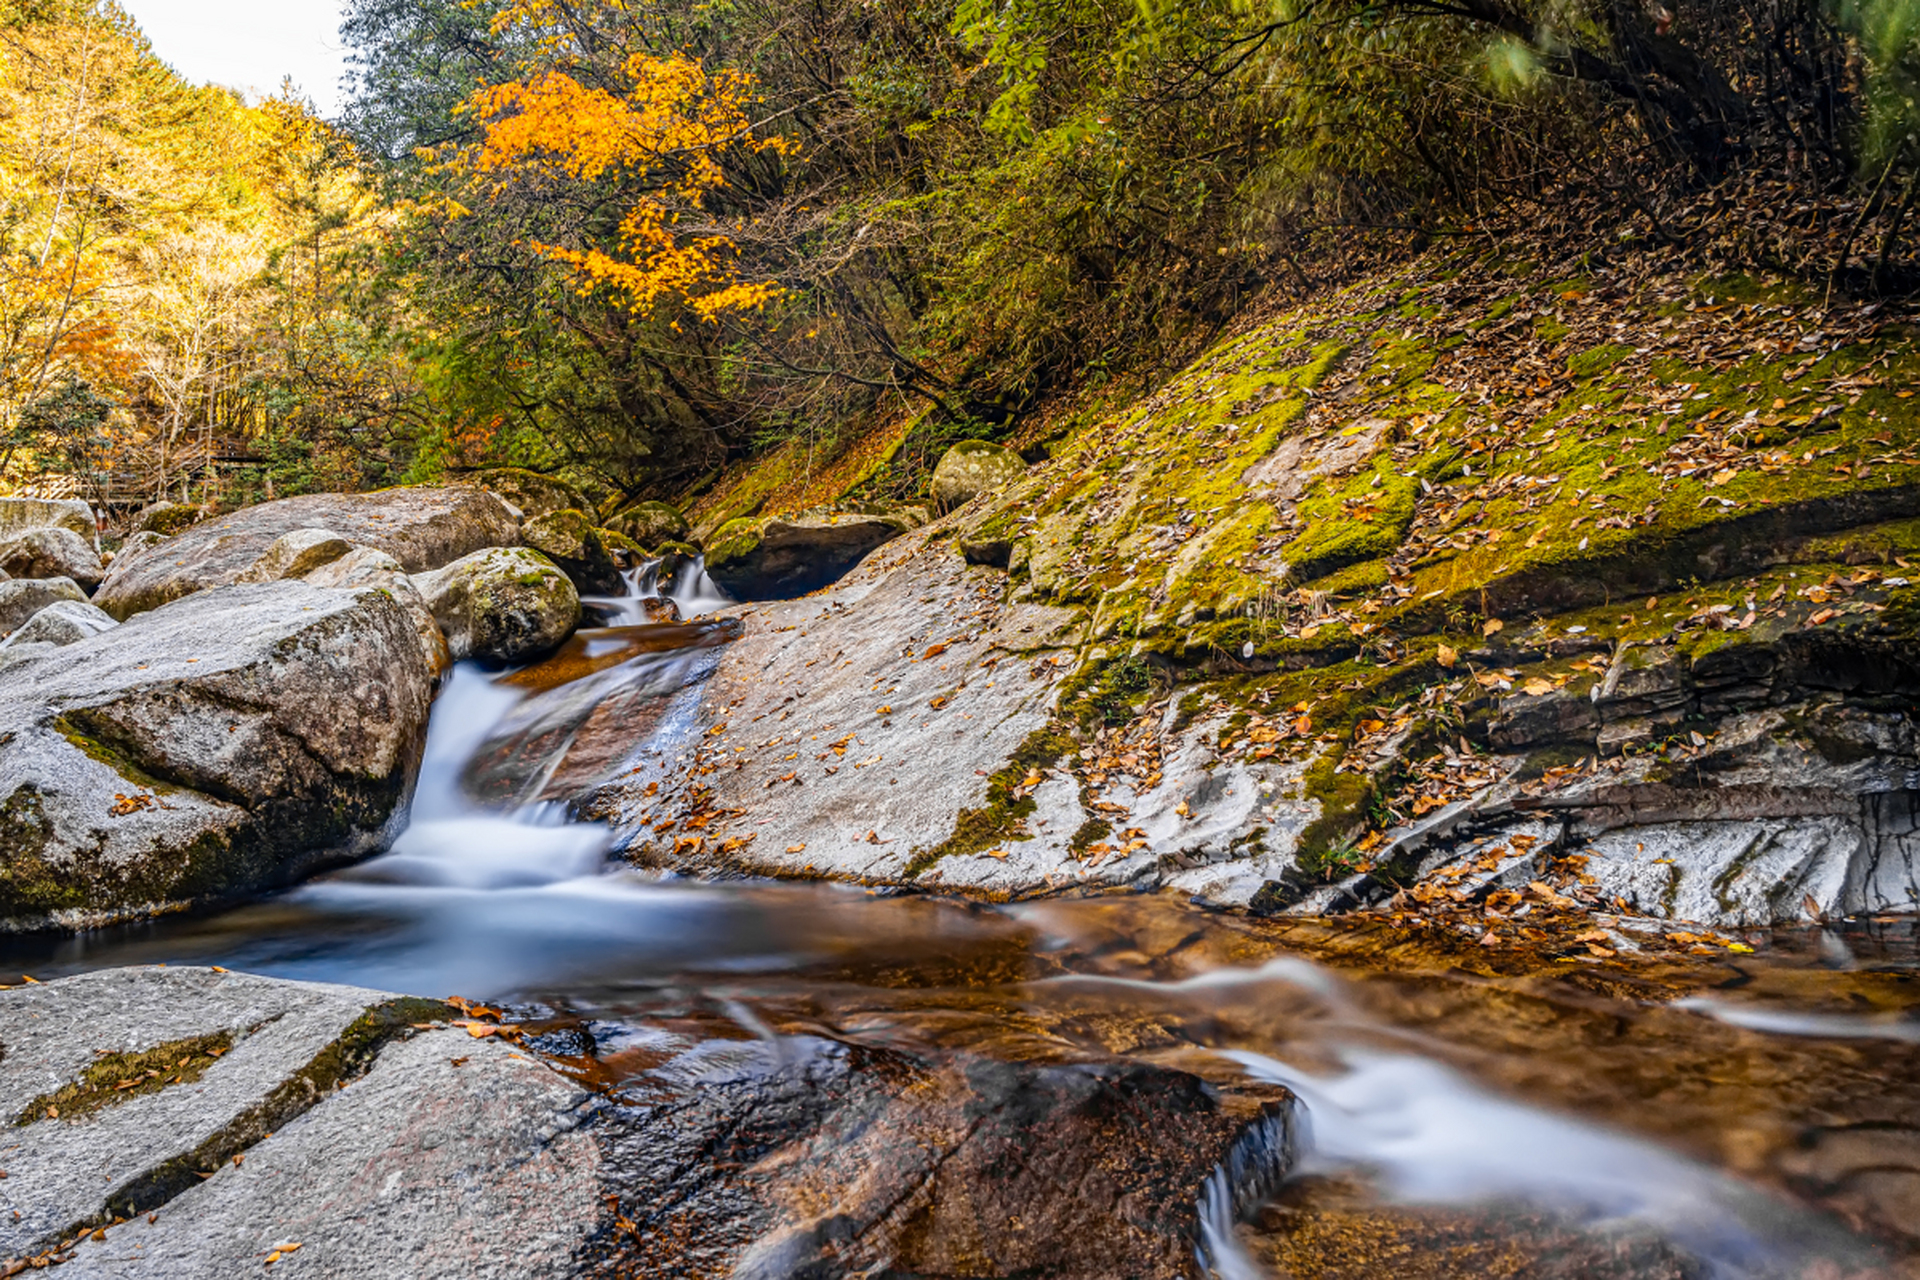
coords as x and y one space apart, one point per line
662 131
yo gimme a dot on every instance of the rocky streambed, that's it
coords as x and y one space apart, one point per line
1404 798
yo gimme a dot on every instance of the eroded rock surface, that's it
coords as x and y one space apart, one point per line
62 622
353 1124
423 528
224 744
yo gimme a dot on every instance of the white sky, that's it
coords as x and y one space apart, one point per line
249 44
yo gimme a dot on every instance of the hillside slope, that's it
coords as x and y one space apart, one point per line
1594 583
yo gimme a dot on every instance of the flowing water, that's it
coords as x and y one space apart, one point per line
1754 1116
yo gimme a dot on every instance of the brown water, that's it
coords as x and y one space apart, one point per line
1465 1114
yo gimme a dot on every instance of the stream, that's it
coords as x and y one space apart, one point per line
1747 1116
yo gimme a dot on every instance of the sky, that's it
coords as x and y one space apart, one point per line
249 44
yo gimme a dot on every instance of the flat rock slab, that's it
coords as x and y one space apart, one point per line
348 1121
846 734
423 528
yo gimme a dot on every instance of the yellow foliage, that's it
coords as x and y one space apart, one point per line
665 135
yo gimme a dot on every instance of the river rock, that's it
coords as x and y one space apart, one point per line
779 559
365 567
227 743
531 493
18 515
22 598
651 523
295 555
506 604
164 518
353 1123
51 553
60 623
569 539
971 468
423 528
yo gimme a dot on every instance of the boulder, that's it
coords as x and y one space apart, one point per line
365 567
22 598
569 539
227 743
530 492
134 545
651 523
360 1125
17 515
295 555
51 553
423 528
164 518
971 468
506 603
779 559
61 623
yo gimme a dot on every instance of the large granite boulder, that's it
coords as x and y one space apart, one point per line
295 555
531 493
422 528
971 468
22 598
569 539
51 553
17 515
332 1130
507 604
778 559
365 567
651 523
227 743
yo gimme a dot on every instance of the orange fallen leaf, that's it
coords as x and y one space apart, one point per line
796 848
1492 626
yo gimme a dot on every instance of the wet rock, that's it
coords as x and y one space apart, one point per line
971 468
651 523
60 623
569 539
862 1161
351 1122
531 493
224 744
365 567
423 528
507 604
164 518
783 558
51 553
22 598
596 701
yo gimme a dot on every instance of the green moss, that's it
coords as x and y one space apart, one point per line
113 1078
1002 818
1598 359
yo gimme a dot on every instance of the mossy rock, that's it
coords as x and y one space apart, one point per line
651 523
164 518
571 541
534 494
971 468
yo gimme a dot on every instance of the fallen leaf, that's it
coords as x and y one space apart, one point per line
1001 854
796 848
1492 626
1182 809
1446 656
1537 688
